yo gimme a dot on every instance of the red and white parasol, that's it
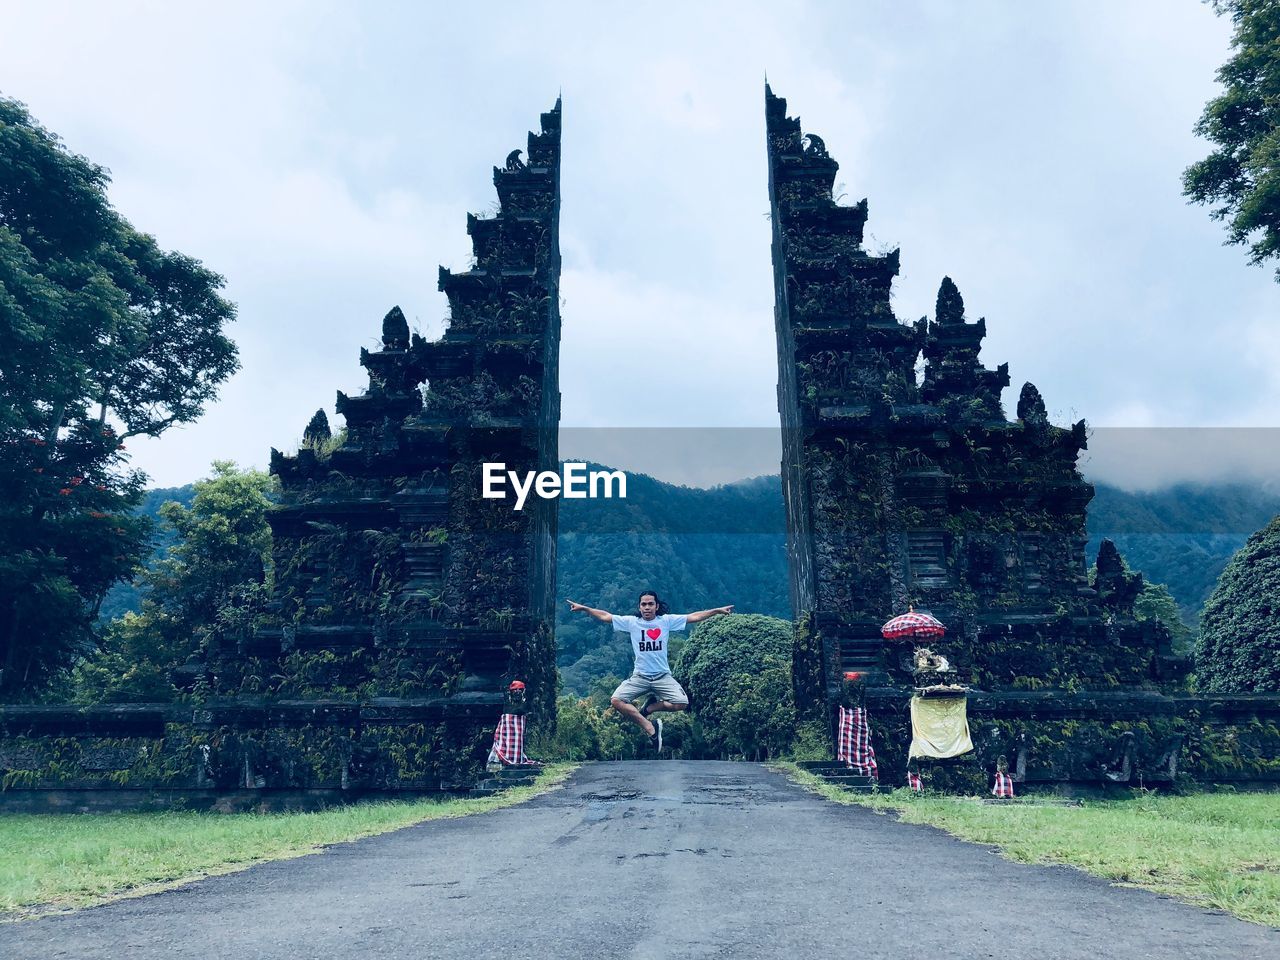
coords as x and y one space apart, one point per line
912 624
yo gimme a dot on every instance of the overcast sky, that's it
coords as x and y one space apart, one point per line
323 158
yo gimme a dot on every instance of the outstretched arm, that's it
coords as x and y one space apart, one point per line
604 616
708 614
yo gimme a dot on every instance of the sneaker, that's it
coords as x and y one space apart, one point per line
656 739
649 705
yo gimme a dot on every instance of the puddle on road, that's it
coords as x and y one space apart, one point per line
697 788
714 796
692 851
621 796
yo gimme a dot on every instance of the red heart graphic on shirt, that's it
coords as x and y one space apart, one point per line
654 633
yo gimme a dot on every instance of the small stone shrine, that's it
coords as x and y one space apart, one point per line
404 602
906 487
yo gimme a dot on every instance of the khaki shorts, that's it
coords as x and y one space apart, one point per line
664 687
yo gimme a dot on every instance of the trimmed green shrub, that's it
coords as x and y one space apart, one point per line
1240 630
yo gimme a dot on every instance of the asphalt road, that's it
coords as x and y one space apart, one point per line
654 859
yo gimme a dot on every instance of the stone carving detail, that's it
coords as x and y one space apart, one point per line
109 757
814 146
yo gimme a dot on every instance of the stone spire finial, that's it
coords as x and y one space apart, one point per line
1117 588
395 330
1031 405
317 431
1109 561
950 306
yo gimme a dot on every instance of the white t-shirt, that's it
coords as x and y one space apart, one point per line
649 640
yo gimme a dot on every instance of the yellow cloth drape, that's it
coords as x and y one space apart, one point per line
939 727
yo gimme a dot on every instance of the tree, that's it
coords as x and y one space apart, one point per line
1239 646
103 336
615 741
576 738
760 716
731 666
1242 176
212 581
1157 603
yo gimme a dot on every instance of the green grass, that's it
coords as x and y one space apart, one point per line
1219 850
60 861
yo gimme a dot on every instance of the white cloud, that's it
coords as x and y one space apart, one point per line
662 357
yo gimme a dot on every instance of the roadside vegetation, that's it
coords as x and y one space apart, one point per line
1217 850
53 862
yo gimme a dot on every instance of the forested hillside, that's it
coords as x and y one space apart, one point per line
701 548
1181 536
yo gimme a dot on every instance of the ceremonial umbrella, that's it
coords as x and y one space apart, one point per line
912 624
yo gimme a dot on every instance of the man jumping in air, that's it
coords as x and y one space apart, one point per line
651 674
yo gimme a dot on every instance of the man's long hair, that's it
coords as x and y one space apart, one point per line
662 604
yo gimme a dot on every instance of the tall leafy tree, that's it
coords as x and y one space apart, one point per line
103 336
212 580
1239 645
1241 177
